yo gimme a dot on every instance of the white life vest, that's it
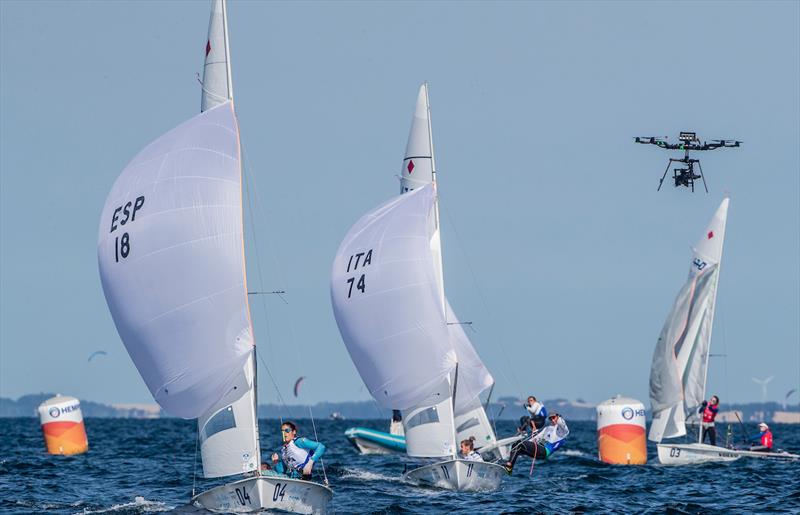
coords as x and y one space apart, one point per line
295 457
473 456
552 433
535 409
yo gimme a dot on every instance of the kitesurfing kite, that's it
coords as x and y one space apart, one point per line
97 353
297 385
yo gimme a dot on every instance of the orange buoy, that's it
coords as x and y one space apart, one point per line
621 432
62 425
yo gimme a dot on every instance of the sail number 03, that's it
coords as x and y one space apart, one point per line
123 215
358 260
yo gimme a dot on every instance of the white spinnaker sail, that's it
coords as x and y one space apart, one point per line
680 360
171 260
385 299
217 84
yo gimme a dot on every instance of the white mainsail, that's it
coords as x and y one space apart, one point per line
418 169
387 290
217 83
171 258
680 360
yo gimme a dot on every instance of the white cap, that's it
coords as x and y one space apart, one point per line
763 424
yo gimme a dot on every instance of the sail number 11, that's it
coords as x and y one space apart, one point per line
359 260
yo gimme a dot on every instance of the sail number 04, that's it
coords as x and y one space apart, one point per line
358 260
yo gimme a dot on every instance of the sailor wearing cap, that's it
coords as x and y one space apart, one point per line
764 438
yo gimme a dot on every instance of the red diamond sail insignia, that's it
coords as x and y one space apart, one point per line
710 234
410 167
208 47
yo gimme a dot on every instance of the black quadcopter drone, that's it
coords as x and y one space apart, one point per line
688 141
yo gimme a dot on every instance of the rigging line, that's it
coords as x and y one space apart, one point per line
293 341
293 338
724 351
252 188
277 390
316 439
194 466
485 304
281 272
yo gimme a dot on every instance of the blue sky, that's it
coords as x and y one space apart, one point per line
556 244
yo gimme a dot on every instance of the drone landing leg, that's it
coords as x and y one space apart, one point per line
663 176
702 176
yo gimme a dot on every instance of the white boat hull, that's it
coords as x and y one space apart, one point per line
459 475
686 454
266 493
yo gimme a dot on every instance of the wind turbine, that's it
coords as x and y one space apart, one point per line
763 383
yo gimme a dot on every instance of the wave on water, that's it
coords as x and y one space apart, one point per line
367 475
139 505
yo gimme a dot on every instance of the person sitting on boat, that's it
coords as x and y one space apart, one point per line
541 444
537 410
709 411
524 425
764 438
298 455
468 452
396 426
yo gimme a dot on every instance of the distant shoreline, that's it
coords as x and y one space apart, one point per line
505 408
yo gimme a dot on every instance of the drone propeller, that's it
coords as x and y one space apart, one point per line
727 142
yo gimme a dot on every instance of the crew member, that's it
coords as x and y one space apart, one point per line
537 410
541 444
764 438
468 452
709 410
298 455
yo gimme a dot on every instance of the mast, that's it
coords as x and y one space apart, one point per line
437 234
711 329
453 412
438 244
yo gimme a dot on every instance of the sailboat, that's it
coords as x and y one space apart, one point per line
387 291
370 441
680 362
172 265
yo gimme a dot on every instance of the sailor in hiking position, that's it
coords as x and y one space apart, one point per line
543 443
764 439
537 410
298 455
709 410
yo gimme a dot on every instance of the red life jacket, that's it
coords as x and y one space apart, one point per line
709 414
766 439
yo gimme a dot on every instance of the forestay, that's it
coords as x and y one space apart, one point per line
678 371
473 376
386 303
171 260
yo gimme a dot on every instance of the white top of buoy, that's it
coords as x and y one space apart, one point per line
619 400
58 399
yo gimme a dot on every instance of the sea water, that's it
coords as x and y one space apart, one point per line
147 466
